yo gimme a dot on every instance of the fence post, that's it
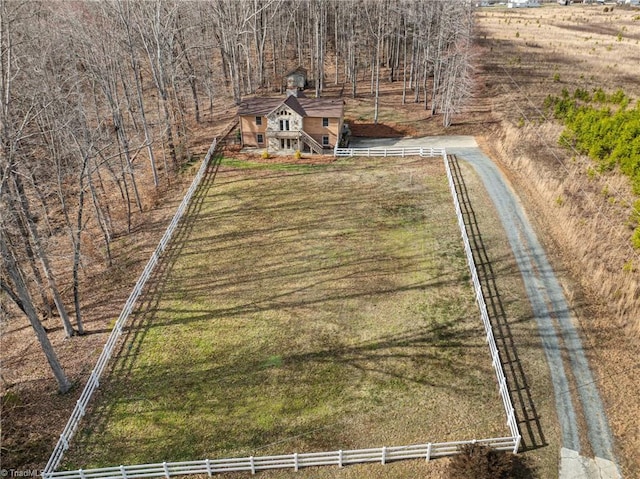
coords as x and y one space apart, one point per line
340 458
107 351
517 445
384 454
96 382
295 462
428 452
497 366
252 464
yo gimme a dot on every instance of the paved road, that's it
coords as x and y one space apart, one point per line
551 313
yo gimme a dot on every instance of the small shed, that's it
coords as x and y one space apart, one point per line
523 3
296 79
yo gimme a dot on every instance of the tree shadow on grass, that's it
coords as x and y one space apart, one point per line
519 391
377 357
140 320
250 404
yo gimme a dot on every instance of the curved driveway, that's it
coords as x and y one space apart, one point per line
551 313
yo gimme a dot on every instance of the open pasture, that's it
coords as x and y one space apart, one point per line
306 307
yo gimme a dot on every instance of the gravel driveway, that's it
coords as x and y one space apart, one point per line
551 313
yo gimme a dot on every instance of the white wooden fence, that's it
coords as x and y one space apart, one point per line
255 464
291 461
94 378
495 355
423 151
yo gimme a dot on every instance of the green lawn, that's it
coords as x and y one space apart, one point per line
306 308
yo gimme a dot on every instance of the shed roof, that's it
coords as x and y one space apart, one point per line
301 70
314 107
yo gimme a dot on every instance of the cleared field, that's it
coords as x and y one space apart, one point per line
308 308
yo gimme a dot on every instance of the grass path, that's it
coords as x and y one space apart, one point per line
310 308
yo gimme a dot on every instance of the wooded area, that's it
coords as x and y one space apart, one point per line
100 99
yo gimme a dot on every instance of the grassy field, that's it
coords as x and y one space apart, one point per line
308 308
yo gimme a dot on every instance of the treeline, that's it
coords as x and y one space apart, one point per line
603 127
98 101
423 43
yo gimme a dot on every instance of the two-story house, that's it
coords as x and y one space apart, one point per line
292 123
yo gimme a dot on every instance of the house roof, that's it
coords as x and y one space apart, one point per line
322 107
258 106
314 107
293 103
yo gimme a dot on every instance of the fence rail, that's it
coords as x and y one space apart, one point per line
255 464
94 378
512 423
289 461
422 151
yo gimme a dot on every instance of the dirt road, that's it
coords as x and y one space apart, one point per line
575 391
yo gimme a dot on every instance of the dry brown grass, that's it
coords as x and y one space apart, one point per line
584 214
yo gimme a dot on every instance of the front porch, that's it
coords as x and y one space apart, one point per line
292 140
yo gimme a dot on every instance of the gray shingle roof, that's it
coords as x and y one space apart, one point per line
297 70
293 103
313 107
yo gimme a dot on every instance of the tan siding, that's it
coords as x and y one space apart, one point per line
250 131
313 126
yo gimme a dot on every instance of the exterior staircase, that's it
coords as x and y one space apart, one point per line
313 144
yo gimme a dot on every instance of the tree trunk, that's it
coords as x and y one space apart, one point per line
77 247
64 385
404 67
44 260
106 235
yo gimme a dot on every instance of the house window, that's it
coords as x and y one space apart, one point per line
325 122
260 139
258 120
325 141
284 125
